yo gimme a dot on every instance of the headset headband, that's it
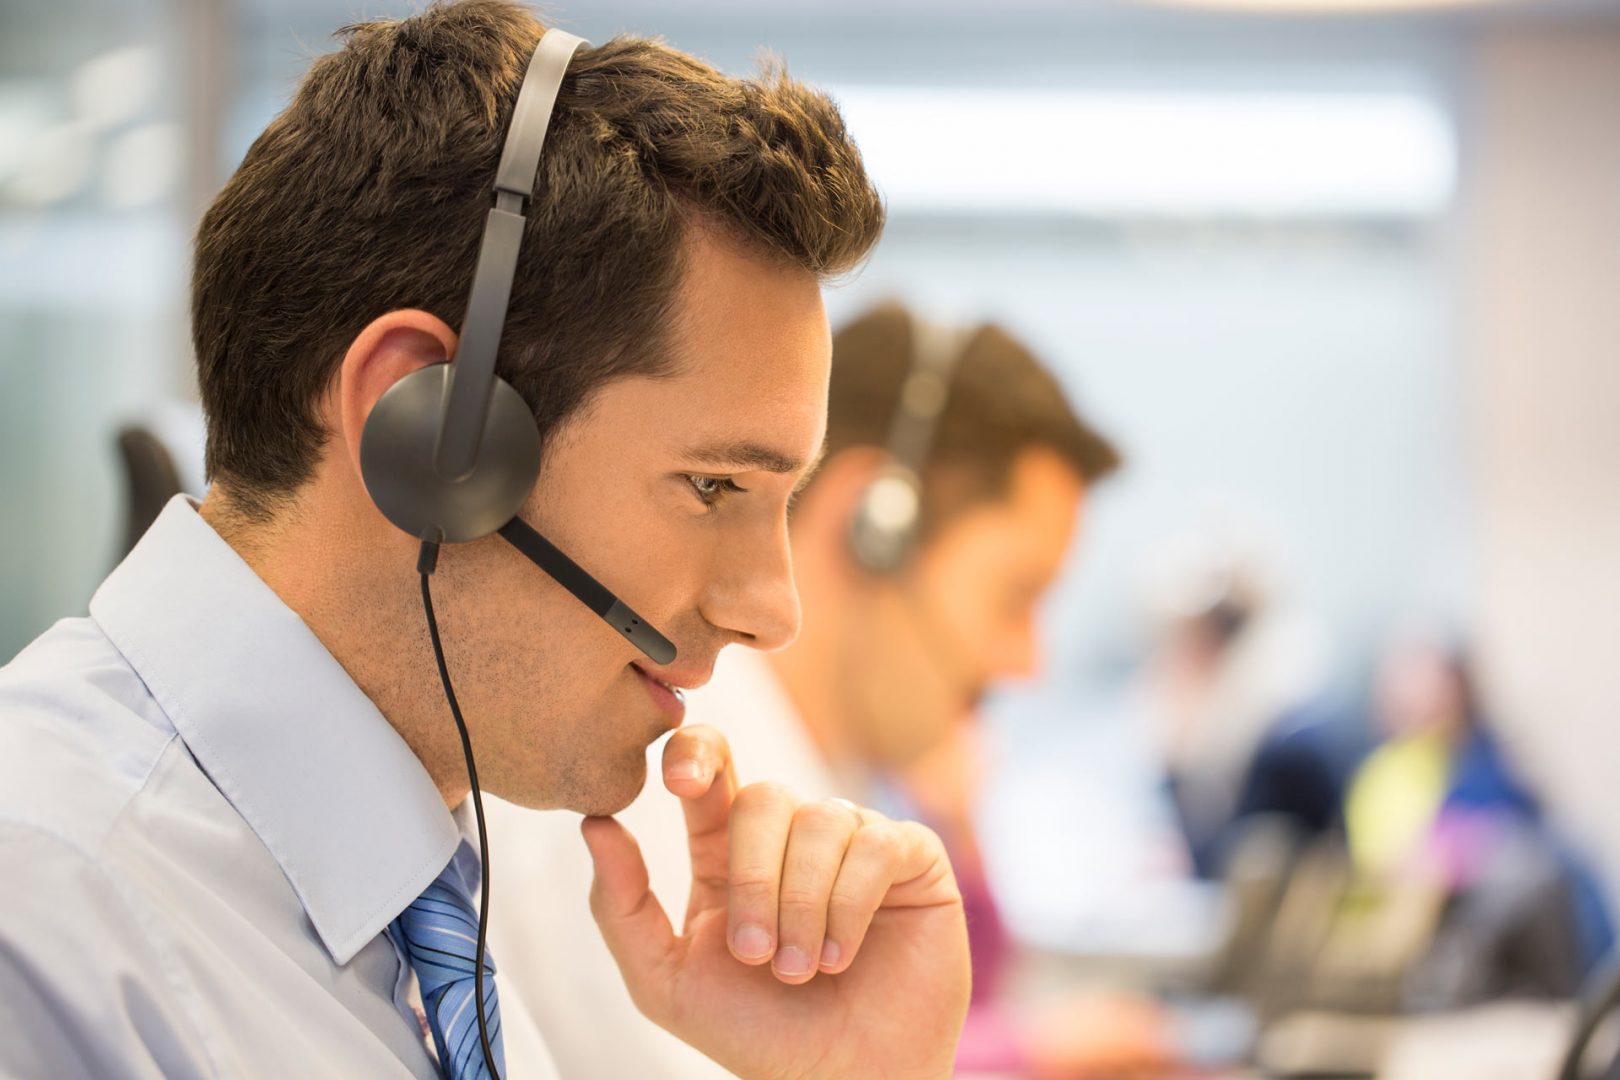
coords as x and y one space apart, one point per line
936 351
884 528
451 451
472 375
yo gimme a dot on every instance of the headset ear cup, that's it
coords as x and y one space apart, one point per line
396 460
885 523
873 549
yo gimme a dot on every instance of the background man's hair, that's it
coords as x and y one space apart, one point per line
368 192
1002 402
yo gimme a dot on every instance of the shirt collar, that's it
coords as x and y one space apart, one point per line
318 773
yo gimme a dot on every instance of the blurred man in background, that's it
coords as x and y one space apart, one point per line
954 474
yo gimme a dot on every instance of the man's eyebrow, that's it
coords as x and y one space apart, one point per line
746 456
810 469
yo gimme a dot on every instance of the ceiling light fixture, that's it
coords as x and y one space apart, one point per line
1116 154
1322 7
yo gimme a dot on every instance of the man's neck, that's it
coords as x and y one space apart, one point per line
307 558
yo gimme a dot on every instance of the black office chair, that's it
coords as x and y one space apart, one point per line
150 481
1598 1005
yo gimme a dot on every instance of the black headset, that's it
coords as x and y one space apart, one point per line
888 516
451 451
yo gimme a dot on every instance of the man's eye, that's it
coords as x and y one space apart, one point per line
712 489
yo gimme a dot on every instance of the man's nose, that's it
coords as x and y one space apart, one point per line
753 594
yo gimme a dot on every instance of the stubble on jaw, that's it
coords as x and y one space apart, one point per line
584 764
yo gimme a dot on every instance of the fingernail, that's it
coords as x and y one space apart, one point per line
792 960
685 770
829 954
751 941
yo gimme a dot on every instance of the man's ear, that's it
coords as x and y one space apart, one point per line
388 349
825 511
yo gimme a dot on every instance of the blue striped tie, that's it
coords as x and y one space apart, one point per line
439 932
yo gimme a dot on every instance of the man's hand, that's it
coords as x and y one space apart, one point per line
821 939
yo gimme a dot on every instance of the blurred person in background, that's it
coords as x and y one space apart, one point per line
905 627
1439 807
1233 694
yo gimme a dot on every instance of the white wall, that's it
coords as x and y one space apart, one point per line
1544 286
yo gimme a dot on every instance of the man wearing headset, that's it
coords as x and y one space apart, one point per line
954 474
234 824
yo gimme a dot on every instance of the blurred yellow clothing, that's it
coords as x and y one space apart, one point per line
1394 800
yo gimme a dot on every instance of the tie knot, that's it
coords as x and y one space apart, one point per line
440 928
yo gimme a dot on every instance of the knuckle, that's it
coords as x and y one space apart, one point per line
824 817
923 838
753 885
918 831
763 797
846 902
801 900
881 841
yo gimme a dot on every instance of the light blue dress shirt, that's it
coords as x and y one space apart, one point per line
205 828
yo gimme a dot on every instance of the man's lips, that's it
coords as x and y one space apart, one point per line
668 696
675 680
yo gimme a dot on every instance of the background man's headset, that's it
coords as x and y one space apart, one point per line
888 516
451 451
886 528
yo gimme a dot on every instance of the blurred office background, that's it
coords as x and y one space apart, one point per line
1342 281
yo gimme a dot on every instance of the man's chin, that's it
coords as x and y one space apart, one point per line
613 794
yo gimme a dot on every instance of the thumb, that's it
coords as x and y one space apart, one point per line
632 921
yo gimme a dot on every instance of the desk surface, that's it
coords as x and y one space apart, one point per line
1502 1041
1508 1041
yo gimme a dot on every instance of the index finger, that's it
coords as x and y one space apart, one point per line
698 768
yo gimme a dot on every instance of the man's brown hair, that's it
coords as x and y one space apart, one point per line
1001 402
368 193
